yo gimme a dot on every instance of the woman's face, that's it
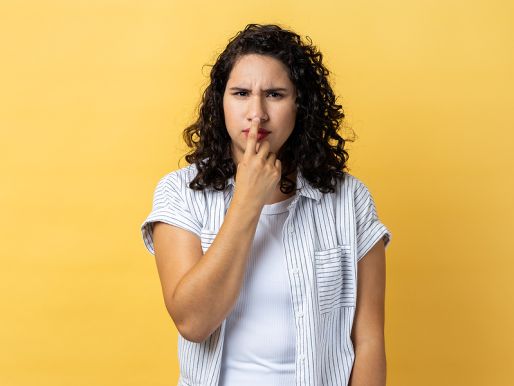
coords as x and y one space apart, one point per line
258 86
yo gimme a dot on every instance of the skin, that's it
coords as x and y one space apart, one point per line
369 368
253 91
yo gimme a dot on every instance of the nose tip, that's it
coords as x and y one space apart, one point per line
261 117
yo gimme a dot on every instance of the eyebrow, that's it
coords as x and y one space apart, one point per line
267 90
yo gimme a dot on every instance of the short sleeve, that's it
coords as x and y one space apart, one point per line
169 206
369 227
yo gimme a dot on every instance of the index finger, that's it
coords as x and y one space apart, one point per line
252 137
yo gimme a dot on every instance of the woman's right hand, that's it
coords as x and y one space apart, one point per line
259 171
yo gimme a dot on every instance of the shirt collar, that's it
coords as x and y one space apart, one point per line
305 188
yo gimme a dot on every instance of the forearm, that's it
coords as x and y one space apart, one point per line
208 292
369 368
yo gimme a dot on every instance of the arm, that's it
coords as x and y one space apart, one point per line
200 290
369 367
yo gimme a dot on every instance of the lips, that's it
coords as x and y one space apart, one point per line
261 131
260 135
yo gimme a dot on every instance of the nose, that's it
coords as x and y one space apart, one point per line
256 108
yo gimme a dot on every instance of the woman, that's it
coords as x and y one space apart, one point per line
259 240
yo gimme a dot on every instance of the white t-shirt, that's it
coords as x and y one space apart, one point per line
259 346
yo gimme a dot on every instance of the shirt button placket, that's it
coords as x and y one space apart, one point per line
296 271
301 356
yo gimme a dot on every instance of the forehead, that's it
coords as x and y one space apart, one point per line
255 67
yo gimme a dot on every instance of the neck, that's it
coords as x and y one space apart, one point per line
278 196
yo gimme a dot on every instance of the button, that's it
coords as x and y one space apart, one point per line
291 229
300 314
301 357
295 271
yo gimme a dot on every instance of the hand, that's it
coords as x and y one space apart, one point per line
259 171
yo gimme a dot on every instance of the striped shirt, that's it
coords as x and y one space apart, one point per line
324 237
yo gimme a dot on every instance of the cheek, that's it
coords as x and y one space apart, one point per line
231 111
291 118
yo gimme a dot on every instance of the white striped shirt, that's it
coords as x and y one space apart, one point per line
324 237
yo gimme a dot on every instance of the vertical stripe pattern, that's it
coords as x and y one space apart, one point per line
324 237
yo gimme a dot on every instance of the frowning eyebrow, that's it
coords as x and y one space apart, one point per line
267 90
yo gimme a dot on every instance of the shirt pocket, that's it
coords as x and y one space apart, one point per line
335 277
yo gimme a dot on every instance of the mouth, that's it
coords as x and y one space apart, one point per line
260 135
261 131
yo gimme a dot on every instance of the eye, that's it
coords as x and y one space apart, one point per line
276 95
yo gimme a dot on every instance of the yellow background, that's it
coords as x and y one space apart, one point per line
93 99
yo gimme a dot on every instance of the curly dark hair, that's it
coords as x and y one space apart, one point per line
314 147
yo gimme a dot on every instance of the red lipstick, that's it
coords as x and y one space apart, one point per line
263 133
261 130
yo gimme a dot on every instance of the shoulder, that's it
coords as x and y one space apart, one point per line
174 188
353 192
351 186
179 179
